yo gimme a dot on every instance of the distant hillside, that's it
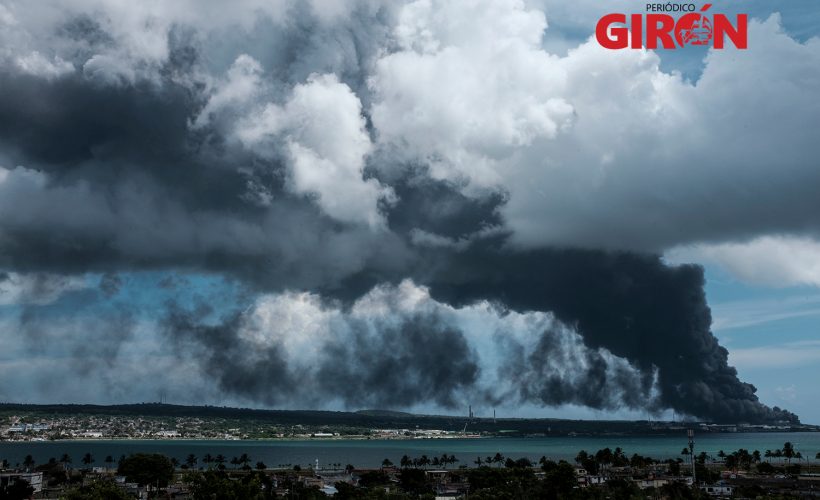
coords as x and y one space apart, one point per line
372 419
385 413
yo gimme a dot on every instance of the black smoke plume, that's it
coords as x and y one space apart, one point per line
635 306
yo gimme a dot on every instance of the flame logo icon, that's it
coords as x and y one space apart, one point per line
694 29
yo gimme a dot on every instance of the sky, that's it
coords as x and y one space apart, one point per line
417 205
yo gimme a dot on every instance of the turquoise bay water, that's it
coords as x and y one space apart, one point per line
370 453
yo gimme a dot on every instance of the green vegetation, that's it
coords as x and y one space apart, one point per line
147 469
211 485
99 490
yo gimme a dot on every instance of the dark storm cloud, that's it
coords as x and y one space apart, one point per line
122 182
239 368
440 208
420 360
115 179
131 148
88 344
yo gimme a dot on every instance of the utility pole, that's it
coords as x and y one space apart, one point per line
691 434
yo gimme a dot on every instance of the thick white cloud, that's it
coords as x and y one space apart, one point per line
36 64
600 147
777 261
322 129
242 85
594 147
468 87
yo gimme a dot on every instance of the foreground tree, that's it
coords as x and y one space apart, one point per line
788 451
210 485
147 468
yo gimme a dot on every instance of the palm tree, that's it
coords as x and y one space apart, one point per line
244 459
88 459
478 461
604 457
190 460
65 460
436 462
452 459
28 462
405 462
424 461
498 458
768 454
788 451
386 463
108 461
261 466
220 460
208 460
